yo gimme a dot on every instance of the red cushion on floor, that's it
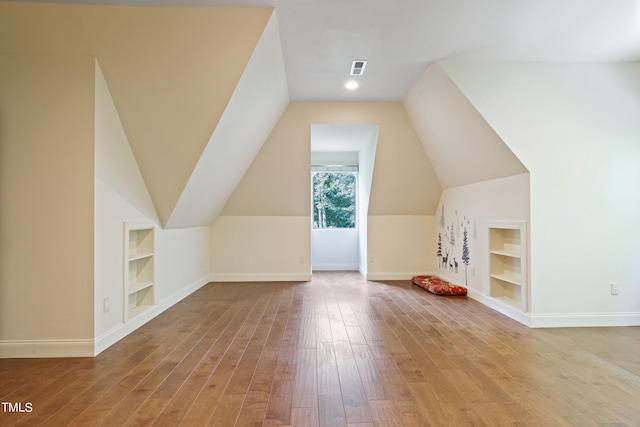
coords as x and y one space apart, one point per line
438 286
421 281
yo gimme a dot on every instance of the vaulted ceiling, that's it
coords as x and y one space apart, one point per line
401 38
199 87
197 90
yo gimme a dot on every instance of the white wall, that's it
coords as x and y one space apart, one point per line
470 207
461 145
182 262
335 249
366 160
576 128
182 256
471 162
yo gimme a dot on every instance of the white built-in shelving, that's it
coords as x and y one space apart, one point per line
139 272
508 263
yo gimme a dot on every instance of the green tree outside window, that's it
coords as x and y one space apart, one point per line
334 200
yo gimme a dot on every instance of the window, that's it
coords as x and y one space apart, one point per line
334 200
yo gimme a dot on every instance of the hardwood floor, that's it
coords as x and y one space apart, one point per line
336 351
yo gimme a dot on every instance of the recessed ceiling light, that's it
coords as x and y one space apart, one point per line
351 85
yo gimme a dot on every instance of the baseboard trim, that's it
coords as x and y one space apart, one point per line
584 320
335 267
500 307
363 270
493 303
30 349
261 277
557 320
115 334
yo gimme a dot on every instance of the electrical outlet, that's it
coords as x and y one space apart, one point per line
372 259
106 304
301 260
614 289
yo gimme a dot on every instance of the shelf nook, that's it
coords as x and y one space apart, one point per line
139 272
507 264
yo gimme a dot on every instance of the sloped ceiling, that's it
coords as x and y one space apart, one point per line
42 29
256 105
173 73
400 39
277 183
116 171
463 147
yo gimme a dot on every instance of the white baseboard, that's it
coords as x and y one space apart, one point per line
261 277
500 307
584 320
493 303
363 270
92 347
115 334
557 320
335 267
28 349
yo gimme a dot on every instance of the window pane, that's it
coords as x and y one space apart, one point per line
334 200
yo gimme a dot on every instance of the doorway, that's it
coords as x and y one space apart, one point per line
334 234
342 158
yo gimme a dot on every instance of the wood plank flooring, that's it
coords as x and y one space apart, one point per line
335 351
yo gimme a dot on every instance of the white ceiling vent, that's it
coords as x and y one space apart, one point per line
357 67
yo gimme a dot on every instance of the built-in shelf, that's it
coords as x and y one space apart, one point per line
139 268
502 277
504 253
507 263
136 287
135 257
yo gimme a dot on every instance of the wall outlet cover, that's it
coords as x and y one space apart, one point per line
614 289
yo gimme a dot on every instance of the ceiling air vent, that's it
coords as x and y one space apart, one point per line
357 68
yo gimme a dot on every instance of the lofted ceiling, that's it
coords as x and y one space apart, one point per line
188 130
401 38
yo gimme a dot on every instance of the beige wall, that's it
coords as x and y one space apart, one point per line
171 72
277 184
472 207
399 246
262 248
46 199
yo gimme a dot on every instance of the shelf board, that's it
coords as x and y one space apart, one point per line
513 280
135 257
138 286
507 254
